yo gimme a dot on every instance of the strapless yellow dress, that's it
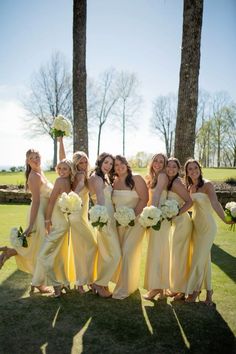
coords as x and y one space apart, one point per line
204 231
26 258
180 240
131 238
158 255
54 264
109 251
83 243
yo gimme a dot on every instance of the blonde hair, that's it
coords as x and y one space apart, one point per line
69 163
152 176
77 156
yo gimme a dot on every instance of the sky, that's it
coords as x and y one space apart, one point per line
140 36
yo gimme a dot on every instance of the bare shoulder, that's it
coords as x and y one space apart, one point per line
162 176
34 179
95 180
178 183
138 178
209 187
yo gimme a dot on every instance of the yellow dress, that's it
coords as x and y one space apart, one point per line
83 243
53 262
204 231
26 257
109 252
180 239
158 255
131 238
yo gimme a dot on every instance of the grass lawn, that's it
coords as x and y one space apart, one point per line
214 174
89 324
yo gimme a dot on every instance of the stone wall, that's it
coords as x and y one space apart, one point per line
19 196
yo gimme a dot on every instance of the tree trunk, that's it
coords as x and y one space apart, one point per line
54 153
188 84
99 138
80 76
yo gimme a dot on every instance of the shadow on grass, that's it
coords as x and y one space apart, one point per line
89 324
14 286
224 261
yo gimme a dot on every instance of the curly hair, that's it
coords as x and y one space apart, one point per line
69 163
98 167
129 181
77 156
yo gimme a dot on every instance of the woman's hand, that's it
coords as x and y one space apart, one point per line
48 225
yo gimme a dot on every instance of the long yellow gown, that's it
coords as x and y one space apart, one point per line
158 255
131 238
83 243
180 240
26 258
109 251
53 264
204 231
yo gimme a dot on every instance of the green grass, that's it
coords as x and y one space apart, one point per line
89 324
214 174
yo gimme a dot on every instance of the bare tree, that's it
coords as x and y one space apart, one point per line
80 76
188 84
103 99
164 118
50 95
128 103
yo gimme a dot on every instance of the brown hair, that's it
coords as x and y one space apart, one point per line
188 180
174 159
129 181
98 167
27 166
152 176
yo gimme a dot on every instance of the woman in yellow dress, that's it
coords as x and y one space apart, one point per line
83 240
131 191
158 254
204 230
109 252
180 232
53 260
40 189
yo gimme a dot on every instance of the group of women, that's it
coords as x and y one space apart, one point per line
63 250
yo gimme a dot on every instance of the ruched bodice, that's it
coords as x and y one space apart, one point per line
125 198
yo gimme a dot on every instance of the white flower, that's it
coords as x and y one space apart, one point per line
151 217
230 205
98 215
61 126
125 216
70 203
169 209
233 212
17 238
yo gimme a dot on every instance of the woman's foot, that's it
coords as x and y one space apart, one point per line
57 291
66 288
179 296
43 289
101 291
170 293
193 297
153 293
208 300
79 289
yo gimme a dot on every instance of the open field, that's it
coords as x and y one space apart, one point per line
89 324
214 174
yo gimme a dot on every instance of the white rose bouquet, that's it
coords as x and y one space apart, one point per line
98 215
70 203
169 209
230 213
18 238
61 126
124 216
151 216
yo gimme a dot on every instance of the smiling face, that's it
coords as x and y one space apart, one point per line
82 164
34 160
107 165
193 171
172 169
63 170
158 163
120 168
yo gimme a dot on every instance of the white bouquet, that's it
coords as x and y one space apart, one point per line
230 213
61 126
169 209
70 203
98 215
124 216
151 216
18 238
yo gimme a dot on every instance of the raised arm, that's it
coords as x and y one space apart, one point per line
162 183
34 183
179 188
142 191
62 154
